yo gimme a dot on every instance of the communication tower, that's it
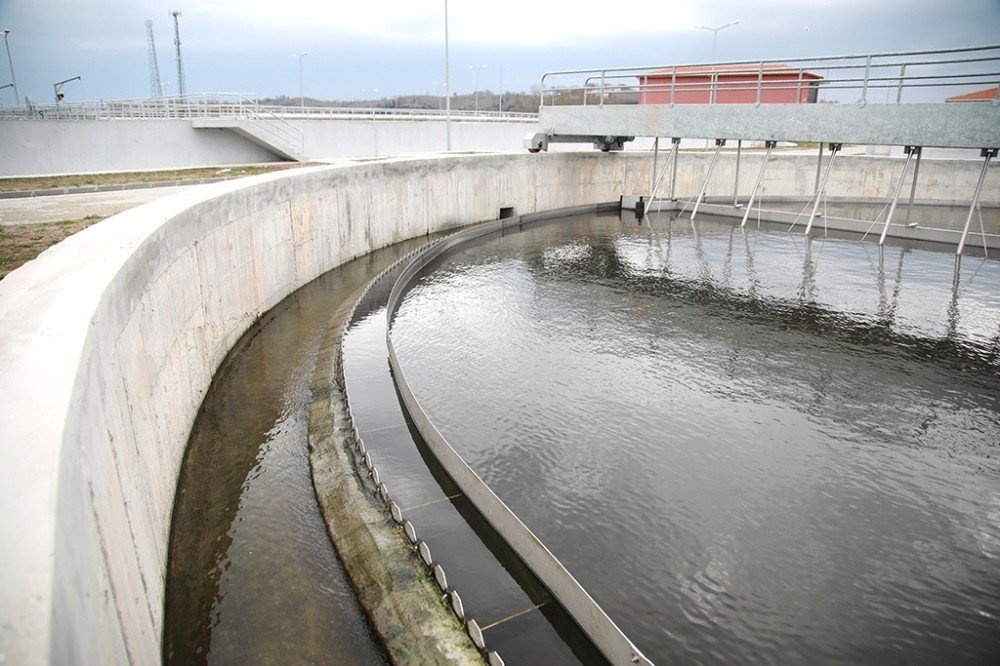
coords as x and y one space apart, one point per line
181 87
155 87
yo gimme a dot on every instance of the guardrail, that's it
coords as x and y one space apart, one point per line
920 76
233 105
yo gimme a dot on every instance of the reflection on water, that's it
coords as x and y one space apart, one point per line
746 445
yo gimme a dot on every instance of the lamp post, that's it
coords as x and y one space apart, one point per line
10 62
447 80
57 87
302 94
715 43
478 68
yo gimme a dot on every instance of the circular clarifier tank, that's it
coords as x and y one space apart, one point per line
747 445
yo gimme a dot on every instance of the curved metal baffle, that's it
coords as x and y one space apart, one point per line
572 597
397 513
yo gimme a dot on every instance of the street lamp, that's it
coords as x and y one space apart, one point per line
57 87
447 80
302 94
715 43
715 36
478 68
11 63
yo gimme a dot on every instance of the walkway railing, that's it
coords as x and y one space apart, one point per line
917 76
234 105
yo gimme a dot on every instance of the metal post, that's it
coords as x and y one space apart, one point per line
736 180
864 87
895 195
13 79
447 80
798 88
673 85
988 153
673 168
834 148
899 91
819 165
656 155
719 143
760 179
913 186
760 81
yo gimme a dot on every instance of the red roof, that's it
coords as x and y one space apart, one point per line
987 95
733 70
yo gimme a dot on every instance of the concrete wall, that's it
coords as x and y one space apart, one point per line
33 147
854 176
109 340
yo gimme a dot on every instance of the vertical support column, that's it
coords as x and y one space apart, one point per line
673 169
760 179
656 156
989 154
719 143
913 186
819 168
899 188
834 149
736 179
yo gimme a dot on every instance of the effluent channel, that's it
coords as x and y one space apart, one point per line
746 444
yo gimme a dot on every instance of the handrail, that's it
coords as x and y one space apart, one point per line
965 67
227 104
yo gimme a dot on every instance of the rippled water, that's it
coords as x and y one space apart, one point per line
746 446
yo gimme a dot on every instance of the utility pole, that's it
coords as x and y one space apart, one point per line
447 78
155 87
181 87
10 62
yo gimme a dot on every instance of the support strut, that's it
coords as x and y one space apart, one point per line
989 154
910 152
719 143
821 190
760 179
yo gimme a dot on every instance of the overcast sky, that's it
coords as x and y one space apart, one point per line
397 46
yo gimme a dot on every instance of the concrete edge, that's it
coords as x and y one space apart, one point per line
402 602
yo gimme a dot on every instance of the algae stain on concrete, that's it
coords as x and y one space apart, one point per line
391 582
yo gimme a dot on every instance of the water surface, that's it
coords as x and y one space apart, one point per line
746 445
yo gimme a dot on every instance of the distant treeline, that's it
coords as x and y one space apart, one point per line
488 101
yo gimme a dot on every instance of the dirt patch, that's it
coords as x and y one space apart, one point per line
83 180
22 243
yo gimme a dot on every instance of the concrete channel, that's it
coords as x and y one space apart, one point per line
110 340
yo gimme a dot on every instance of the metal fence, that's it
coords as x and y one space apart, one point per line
233 105
893 77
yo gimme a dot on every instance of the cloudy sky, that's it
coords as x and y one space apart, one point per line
397 46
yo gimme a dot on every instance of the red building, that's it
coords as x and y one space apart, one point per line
987 95
729 84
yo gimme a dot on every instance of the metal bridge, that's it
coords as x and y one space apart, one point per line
889 99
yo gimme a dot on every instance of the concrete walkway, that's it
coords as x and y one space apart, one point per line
35 210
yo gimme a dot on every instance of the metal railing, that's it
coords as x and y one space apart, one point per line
233 105
924 76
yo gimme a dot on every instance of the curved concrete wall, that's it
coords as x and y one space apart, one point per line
109 340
